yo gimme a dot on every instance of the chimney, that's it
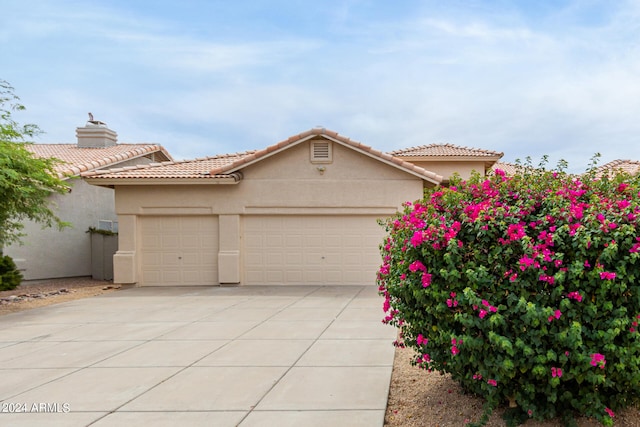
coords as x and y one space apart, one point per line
95 134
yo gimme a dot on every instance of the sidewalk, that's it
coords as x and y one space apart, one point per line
222 356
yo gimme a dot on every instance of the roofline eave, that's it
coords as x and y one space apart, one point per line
449 158
111 182
436 179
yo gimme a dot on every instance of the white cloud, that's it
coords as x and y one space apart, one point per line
527 82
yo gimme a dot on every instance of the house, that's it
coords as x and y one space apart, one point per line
632 167
302 211
508 168
49 253
449 159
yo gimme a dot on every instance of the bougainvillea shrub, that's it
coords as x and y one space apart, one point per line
524 288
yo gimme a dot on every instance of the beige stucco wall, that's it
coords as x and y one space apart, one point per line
49 253
447 169
286 183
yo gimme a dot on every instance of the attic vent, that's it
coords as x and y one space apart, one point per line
321 152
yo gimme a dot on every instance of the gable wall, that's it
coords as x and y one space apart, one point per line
447 169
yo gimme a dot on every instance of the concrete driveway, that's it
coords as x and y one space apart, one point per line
210 356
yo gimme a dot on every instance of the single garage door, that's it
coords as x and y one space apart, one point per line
179 250
318 250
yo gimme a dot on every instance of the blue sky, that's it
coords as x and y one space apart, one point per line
527 78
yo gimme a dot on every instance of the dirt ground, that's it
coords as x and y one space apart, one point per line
38 293
416 398
420 399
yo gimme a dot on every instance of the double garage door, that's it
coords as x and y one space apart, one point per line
318 250
275 249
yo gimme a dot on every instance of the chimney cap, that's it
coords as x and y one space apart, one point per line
93 122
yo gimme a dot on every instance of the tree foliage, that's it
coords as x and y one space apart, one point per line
525 289
26 181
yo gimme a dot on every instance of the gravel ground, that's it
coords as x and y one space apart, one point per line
38 293
416 398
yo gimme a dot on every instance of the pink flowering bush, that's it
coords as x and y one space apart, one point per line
524 289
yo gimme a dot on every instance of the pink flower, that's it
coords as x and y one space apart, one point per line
525 262
482 314
454 350
598 359
492 382
420 340
386 305
417 265
516 231
556 372
426 280
606 275
477 376
417 239
610 412
575 295
556 314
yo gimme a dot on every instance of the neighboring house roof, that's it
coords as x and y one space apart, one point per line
446 152
508 168
77 160
632 167
230 165
183 169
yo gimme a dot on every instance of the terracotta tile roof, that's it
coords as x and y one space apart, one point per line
78 160
228 165
631 167
293 140
196 168
508 168
445 150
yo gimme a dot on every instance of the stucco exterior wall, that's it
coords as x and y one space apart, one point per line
286 183
49 253
447 169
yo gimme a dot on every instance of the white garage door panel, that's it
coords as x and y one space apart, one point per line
179 250
333 249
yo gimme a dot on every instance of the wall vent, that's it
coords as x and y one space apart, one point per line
321 152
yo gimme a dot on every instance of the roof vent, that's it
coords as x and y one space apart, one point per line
320 152
95 134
